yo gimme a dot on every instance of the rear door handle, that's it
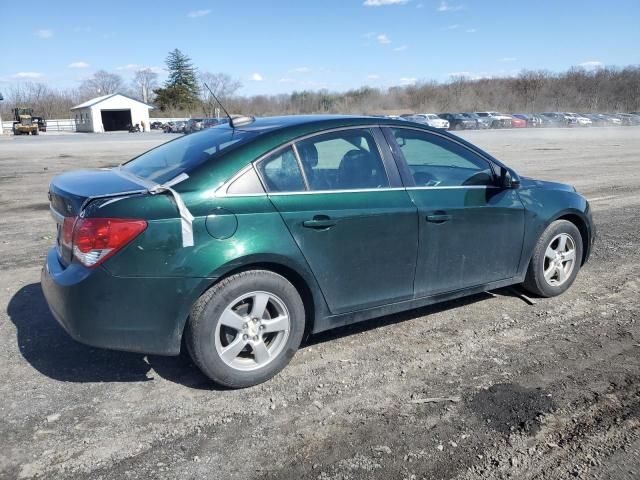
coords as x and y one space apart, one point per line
319 222
438 218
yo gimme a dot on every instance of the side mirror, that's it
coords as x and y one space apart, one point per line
509 178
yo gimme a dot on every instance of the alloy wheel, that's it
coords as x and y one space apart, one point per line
252 331
559 259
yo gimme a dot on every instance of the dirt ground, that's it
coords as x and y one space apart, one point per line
488 387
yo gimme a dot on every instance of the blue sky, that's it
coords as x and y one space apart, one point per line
276 46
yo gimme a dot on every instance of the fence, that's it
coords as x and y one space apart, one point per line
69 124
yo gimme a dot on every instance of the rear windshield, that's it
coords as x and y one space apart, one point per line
185 153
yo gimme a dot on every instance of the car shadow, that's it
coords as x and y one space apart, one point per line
392 319
52 352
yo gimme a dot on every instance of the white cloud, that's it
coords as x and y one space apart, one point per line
508 59
198 13
256 77
78 65
383 39
373 76
452 27
400 48
129 66
445 7
471 30
381 3
408 81
44 33
300 70
591 64
27 75
286 80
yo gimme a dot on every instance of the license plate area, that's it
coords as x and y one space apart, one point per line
63 247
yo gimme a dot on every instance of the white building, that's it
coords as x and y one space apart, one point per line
110 113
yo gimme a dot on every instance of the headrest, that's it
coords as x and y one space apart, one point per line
308 154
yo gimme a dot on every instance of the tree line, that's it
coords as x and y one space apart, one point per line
606 89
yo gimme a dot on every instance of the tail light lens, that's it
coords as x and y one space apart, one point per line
96 239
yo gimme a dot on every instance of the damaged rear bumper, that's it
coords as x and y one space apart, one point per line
135 314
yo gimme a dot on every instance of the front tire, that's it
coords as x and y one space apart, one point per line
556 260
245 329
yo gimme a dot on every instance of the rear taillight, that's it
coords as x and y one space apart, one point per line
96 239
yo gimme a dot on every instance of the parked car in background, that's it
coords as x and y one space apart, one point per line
495 119
193 125
561 119
458 121
481 123
517 122
546 121
156 125
177 127
614 119
287 226
580 120
532 120
629 119
597 119
430 119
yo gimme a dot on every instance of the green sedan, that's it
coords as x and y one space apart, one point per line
245 238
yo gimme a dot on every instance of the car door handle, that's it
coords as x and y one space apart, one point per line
319 222
438 218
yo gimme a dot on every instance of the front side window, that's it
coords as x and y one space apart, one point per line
281 173
437 161
344 160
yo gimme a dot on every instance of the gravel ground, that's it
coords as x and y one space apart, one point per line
487 387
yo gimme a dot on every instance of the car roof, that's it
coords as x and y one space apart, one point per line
289 121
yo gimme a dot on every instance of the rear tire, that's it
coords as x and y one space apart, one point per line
246 328
556 260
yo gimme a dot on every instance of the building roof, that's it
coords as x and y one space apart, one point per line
96 100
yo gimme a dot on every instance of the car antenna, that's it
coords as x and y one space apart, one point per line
234 122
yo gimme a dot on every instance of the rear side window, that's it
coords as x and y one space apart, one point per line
281 173
436 161
344 160
246 184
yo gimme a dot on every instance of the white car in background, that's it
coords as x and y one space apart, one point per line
580 120
495 119
430 119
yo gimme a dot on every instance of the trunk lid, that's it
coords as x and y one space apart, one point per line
68 193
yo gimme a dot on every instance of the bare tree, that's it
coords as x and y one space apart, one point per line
101 83
223 86
144 82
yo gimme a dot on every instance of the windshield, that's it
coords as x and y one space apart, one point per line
185 153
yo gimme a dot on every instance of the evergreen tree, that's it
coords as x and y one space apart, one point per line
181 88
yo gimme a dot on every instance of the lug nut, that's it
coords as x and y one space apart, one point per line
245 325
262 327
245 337
255 339
255 320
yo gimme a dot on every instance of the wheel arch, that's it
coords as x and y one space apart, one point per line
580 222
303 281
